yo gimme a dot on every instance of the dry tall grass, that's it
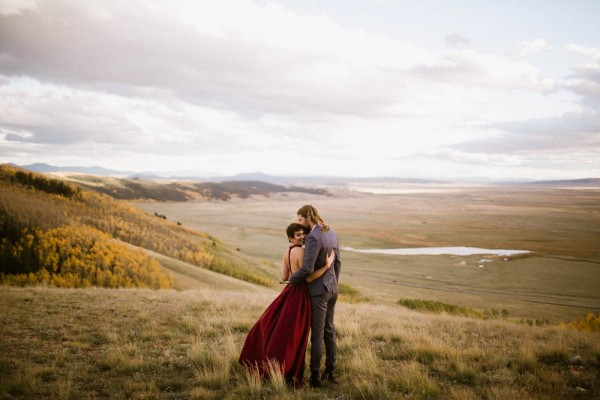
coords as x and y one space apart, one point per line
102 343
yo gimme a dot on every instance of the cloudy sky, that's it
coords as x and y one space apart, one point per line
418 89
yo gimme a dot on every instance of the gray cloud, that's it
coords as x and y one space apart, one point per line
62 135
585 82
12 7
132 51
11 137
467 68
585 122
456 39
570 132
44 116
584 79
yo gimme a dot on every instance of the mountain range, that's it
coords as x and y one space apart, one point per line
295 180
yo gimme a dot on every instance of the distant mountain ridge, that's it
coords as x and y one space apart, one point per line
294 180
142 189
44 168
246 176
571 182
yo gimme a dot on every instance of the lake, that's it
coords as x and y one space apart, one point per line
432 251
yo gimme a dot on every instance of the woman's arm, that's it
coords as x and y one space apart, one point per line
319 272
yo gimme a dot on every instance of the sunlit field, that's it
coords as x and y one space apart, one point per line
143 344
557 281
418 327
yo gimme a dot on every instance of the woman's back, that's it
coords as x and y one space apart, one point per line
296 258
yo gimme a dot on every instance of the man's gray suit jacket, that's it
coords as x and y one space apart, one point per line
317 246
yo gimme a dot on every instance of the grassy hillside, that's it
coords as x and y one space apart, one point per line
142 344
56 234
186 276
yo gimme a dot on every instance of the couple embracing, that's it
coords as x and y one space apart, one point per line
306 303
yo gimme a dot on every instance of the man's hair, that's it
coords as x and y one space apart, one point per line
293 228
311 214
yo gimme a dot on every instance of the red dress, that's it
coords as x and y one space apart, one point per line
281 334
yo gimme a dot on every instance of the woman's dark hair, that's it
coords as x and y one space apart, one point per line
293 228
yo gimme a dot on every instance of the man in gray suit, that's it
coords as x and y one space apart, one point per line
323 291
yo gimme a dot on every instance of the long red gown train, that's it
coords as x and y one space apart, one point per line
281 334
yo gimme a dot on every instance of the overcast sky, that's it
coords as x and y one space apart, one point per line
418 89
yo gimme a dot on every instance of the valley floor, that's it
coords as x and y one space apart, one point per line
557 281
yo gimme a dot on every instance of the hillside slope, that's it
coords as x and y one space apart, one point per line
142 344
142 189
187 276
58 234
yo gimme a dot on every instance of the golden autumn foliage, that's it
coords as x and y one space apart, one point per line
72 257
32 209
590 323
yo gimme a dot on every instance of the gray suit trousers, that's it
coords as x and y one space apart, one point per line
322 331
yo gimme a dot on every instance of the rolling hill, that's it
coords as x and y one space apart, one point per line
58 234
137 188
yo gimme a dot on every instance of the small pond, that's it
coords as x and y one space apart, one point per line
432 251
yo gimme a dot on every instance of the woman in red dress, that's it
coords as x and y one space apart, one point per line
281 333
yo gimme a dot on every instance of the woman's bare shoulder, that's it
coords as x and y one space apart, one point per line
297 252
294 252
